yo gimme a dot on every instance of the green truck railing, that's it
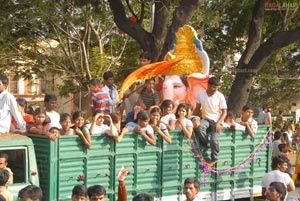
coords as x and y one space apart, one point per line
159 171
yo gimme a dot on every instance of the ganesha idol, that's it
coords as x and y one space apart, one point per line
183 73
183 81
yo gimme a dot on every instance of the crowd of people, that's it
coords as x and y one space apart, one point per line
145 115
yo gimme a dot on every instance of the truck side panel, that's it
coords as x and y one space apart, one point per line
159 171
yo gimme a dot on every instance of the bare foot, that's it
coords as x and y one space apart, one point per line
211 163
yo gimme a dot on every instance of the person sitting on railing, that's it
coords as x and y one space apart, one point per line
212 107
142 127
247 121
182 122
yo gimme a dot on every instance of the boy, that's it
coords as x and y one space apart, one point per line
30 193
96 193
50 104
9 108
4 175
111 89
3 165
79 193
99 99
142 127
247 121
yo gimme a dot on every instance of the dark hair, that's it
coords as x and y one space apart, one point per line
194 181
214 81
79 190
22 102
142 115
31 191
280 188
155 109
39 110
2 198
77 114
166 103
150 79
107 74
189 106
96 190
279 160
246 107
4 176
115 117
54 128
4 155
49 97
145 55
230 114
281 147
4 79
277 135
143 197
64 116
181 105
95 82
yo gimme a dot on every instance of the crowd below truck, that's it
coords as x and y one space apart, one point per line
150 118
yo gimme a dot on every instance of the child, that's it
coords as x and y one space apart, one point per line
30 193
168 117
40 126
182 123
3 165
142 127
160 128
283 149
4 175
65 122
55 131
79 193
98 127
247 121
22 104
80 129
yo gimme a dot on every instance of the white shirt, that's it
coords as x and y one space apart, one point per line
261 117
197 198
54 117
99 129
276 175
167 118
187 123
252 123
131 125
9 108
211 105
112 95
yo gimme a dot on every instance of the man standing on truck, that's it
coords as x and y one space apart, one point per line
211 106
9 108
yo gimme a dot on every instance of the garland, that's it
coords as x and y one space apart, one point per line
265 141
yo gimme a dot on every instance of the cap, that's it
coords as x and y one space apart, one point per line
108 74
214 81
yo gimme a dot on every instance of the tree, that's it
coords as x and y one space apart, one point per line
224 27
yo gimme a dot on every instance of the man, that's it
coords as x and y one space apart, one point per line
79 193
247 121
261 116
211 105
3 165
111 89
191 189
50 104
96 193
143 197
4 175
30 193
9 108
279 166
99 99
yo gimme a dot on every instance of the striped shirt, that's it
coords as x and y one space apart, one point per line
149 99
100 101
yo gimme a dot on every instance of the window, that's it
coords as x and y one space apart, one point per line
17 164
